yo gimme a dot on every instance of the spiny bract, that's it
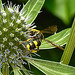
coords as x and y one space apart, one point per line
13 28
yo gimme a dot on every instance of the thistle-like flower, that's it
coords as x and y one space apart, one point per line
13 29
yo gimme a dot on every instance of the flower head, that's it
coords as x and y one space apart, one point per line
13 28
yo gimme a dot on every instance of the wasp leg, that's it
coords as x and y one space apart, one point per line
38 49
21 42
29 39
34 51
56 45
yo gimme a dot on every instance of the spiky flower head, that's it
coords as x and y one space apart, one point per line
13 28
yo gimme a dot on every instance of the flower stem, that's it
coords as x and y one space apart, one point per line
5 70
65 59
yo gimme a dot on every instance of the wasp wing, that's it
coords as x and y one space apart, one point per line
51 29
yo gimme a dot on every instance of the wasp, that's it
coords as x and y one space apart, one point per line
37 37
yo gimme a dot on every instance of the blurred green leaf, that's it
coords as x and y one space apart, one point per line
1 6
64 9
31 10
60 38
52 68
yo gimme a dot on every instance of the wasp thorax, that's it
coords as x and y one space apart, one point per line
12 30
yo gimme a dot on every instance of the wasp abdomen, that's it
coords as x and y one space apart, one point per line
34 44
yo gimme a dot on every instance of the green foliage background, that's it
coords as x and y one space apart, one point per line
54 12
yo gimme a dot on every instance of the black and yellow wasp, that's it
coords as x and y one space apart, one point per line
37 37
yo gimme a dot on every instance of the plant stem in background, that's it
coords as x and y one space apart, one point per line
65 59
5 70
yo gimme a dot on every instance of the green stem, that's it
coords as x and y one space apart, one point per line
5 70
65 59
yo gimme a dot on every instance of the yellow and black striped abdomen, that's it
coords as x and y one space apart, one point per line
33 44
